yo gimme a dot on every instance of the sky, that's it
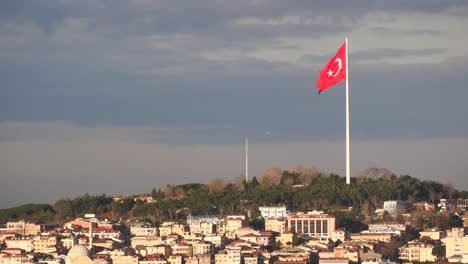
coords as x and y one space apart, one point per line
121 97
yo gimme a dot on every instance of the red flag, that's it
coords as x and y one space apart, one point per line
334 71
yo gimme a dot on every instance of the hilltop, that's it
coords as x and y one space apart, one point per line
298 190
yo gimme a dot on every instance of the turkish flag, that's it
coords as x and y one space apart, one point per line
334 71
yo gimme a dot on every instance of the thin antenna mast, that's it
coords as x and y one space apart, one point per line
246 159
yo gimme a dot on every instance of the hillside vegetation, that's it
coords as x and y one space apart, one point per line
298 190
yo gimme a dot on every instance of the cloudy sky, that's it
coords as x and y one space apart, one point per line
120 96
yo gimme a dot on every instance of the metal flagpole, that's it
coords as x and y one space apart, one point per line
246 159
348 178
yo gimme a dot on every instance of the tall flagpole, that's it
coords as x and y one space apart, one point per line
348 178
246 159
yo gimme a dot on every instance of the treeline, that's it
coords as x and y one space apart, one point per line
32 212
299 190
298 193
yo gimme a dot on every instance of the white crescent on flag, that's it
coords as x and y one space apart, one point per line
340 65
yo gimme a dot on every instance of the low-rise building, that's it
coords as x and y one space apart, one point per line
216 240
13 256
419 252
383 237
23 228
164 250
202 248
396 207
275 212
25 243
44 244
145 241
183 249
275 224
433 234
143 229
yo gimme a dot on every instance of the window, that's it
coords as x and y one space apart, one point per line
325 226
299 226
306 226
293 226
312 226
319 226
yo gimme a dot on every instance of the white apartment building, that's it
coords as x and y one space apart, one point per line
268 212
395 207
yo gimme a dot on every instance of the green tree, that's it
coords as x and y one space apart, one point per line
439 252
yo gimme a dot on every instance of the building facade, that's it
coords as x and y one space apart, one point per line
315 224
268 212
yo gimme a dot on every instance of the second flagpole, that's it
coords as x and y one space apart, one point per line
348 178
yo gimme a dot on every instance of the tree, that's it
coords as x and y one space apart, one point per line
439 252
216 185
257 223
390 250
270 177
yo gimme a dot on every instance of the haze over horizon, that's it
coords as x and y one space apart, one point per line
125 96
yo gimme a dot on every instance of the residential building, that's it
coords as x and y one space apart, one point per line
456 243
396 207
275 212
159 250
145 241
77 222
221 257
205 259
256 238
383 237
25 243
13 256
334 261
286 239
23 228
216 240
175 259
338 234
417 252
387 228
451 204
202 248
250 259
183 249
44 243
377 261
143 229
233 254
433 234
275 224
122 259
202 227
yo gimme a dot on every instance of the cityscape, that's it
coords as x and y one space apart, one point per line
233 131
147 229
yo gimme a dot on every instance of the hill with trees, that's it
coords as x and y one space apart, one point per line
298 189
